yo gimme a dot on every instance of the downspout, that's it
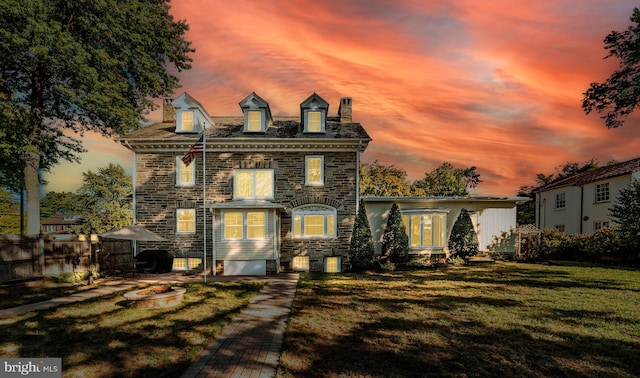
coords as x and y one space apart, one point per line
133 194
581 206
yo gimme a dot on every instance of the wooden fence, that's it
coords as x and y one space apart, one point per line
31 256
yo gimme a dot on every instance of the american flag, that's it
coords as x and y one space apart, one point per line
195 149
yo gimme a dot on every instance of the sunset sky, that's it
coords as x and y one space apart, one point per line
493 84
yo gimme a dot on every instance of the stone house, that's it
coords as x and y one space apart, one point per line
261 193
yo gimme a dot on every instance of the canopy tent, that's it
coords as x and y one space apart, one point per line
135 232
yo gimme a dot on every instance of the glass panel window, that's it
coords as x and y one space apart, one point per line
255 225
185 175
602 192
314 122
239 225
254 120
560 227
560 201
186 220
314 167
314 221
332 264
600 225
233 225
301 263
186 119
426 230
252 183
314 225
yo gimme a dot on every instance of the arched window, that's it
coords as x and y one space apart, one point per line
313 221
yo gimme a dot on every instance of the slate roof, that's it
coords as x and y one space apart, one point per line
602 173
64 219
232 127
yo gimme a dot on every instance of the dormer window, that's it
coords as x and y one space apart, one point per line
186 117
257 115
190 115
254 121
313 114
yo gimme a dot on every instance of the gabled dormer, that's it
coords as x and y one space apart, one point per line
191 117
257 114
313 114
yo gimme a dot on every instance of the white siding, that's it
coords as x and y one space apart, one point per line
492 222
246 249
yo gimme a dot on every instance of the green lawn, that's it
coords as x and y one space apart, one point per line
494 320
103 338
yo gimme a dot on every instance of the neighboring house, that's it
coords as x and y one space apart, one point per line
60 223
429 220
279 193
580 204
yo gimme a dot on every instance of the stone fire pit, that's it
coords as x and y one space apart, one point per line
155 297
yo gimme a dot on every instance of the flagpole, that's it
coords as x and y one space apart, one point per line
204 197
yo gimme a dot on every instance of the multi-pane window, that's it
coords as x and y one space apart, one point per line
561 201
332 264
425 230
253 183
186 118
240 225
600 225
185 175
602 192
560 227
314 222
300 263
254 120
186 220
314 166
314 122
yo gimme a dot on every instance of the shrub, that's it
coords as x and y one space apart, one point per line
395 242
464 240
361 249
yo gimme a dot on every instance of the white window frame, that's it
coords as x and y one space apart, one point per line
190 122
602 193
307 129
408 219
561 201
180 167
307 171
245 225
178 221
560 228
249 122
253 188
599 225
330 219
329 262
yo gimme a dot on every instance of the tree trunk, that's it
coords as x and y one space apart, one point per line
32 186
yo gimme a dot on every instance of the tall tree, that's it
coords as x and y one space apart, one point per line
71 66
383 180
446 180
395 241
61 202
619 95
626 212
9 213
361 249
463 241
105 195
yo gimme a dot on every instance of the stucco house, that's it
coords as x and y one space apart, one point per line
265 194
580 204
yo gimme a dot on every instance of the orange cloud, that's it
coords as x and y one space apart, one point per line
494 84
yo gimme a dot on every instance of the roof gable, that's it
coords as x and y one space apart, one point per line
201 118
602 173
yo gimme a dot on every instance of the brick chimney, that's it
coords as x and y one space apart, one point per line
168 111
344 111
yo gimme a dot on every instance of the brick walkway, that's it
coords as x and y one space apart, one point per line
250 346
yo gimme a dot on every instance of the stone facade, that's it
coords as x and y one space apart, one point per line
281 148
